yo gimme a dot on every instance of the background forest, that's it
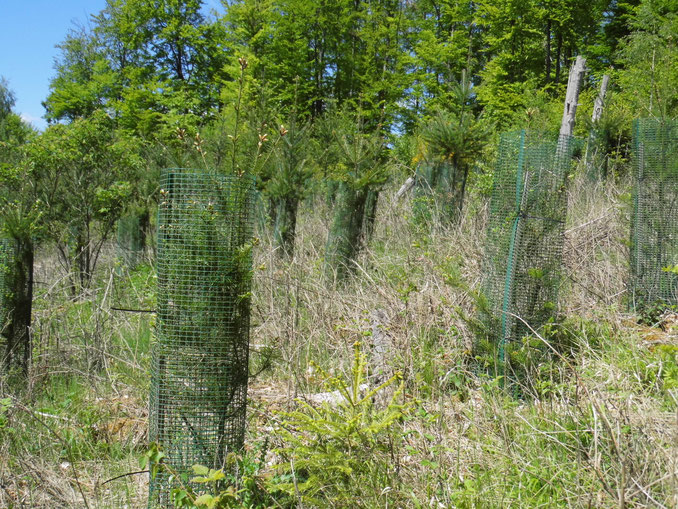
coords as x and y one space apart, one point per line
332 106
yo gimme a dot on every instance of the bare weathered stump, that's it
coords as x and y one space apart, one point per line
409 184
600 100
598 106
574 83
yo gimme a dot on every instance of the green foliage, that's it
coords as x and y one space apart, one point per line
337 455
454 142
649 78
288 184
444 42
84 80
157 65
5 407
538 364
530 46
82 173
650 313
21 210
13 130
308 54
154 82
659 370
20 222
610 137
238 485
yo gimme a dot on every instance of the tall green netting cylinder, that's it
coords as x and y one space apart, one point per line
654 225
199 361
438 194
131 238
525 235
7 253
344 239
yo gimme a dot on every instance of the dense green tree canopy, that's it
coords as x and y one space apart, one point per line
159 65
190 87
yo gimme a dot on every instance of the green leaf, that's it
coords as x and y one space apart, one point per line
206 500
200 470
208 475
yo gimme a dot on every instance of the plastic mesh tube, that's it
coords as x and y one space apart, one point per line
525 235
7 253
654 226
199 361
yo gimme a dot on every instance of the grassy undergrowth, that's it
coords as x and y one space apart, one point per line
595 423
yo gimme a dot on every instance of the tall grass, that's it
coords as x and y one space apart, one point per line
597 430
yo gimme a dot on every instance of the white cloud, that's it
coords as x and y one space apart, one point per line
36 122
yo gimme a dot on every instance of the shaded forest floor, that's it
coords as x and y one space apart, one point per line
597 427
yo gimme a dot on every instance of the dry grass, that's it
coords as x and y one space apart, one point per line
605 434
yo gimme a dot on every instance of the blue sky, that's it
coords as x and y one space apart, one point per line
29 31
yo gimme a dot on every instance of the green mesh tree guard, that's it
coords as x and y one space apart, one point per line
131 239
370 219
525 234
654 229
6 261
344 239
285 224
199 366
437 195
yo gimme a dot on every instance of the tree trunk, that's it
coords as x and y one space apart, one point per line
592 145
79 264
600 100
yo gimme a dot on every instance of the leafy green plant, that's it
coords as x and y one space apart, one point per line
5 406
650 313
83 173
239 484
454 141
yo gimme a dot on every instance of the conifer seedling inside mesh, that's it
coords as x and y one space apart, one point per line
6 260
200 356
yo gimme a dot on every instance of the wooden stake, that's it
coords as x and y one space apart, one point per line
409 184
